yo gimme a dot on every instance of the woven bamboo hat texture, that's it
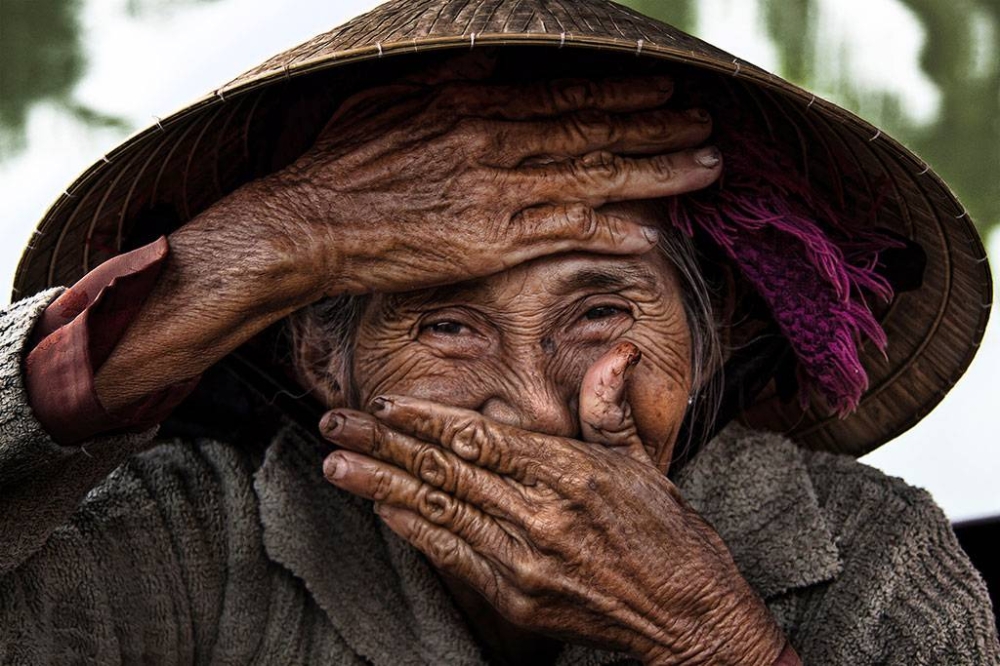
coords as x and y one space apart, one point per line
191 159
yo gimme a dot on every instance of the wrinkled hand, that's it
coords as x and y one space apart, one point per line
430 182
586 541
420 183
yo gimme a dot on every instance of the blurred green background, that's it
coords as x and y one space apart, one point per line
78 76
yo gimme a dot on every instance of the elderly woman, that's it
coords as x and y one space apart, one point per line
522 303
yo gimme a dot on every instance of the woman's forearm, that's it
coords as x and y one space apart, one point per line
368 210
226 279
41 482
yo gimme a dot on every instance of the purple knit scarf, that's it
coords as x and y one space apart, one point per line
811 266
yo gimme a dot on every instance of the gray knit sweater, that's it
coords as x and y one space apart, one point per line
129 550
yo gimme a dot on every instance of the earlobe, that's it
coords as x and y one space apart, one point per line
330 390
319 369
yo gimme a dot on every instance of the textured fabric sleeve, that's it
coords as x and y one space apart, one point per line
163 562
41 482
75 335
113 552
907 595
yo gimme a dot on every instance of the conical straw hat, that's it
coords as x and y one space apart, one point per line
189 160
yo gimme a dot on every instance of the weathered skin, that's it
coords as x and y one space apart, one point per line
484 178
480 177
540 484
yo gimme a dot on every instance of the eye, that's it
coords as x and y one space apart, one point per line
603 312
455 335
446 327
601 320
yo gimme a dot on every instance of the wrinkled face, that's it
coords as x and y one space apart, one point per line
515 346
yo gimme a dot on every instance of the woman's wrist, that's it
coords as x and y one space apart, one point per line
229 274
737 628
260 236
742 646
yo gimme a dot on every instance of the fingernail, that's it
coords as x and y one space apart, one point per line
379 404
334 467
708 157
652 234
331 423
699 115
630 353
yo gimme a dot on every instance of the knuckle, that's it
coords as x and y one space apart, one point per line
467 439
432 468
580 485
572 93
520 610
532 577
537 526
469 128
445 552
664 167
500 180
596 126
703 122
438 507
601 165
380 441
588 222
530 222
382 486
615 228
555 522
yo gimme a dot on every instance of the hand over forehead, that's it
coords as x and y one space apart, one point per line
429 182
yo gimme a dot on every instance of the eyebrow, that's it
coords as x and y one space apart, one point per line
449 293
590 278
611 278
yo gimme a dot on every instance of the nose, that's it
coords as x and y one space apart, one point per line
539 409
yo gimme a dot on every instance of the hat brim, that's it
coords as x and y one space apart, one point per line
191 159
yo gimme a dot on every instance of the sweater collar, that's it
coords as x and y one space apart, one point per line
377 591
755 490
391 608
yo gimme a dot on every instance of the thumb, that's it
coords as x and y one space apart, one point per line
605 414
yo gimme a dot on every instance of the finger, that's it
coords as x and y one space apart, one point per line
394 101
601 177
544 230
470 436
389 485
472 66
605 413
446 552
549 98
431 464
572 135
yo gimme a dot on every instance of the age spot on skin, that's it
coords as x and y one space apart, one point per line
548 345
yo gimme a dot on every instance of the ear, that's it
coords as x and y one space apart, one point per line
318 368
